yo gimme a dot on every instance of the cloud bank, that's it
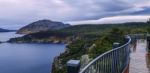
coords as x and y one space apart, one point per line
112 20
23 12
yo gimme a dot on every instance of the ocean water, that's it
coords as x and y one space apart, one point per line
27 58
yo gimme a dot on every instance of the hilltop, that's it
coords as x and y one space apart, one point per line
41 25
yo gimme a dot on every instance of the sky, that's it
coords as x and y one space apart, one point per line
23 12
115 19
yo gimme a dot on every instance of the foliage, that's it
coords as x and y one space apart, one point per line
105 42
74 51
138 31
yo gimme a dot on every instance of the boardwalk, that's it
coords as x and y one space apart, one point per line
139 62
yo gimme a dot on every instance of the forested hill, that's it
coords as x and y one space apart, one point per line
93 29
41 25
87 30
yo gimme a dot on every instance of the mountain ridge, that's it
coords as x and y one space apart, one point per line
42 25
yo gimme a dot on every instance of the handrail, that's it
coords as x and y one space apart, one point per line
111 55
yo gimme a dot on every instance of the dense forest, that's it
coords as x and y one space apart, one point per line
91 40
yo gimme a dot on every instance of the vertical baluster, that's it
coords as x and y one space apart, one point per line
103 67
123 58
117 60
99 65
118 56
108 63
90 69
111 62
105 64
96 70
127 54
95 67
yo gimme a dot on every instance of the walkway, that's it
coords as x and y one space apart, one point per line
140 62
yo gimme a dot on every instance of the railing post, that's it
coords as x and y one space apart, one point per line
114 57
73 66
115 45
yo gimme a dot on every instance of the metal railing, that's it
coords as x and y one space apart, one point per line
113 61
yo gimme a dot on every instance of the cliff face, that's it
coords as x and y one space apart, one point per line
41 25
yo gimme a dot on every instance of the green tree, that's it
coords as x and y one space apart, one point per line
105 42
139 31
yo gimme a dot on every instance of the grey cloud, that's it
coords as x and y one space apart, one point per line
24 12
95 9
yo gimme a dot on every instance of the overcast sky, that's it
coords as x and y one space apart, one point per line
22 12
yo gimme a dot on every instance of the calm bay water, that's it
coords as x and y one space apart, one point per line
27 58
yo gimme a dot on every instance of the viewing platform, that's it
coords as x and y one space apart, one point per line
131 57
